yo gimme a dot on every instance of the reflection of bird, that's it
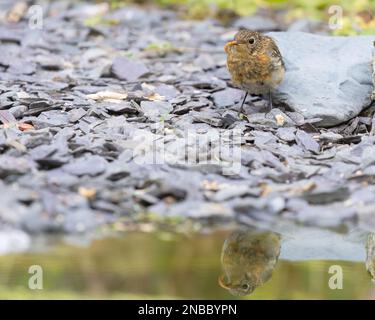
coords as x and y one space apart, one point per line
255 63
248 258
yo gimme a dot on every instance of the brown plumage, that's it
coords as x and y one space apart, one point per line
248 258
254 62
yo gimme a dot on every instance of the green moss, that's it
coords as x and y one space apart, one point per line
162 46
356 14
100 20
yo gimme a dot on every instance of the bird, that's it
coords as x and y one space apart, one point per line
255 63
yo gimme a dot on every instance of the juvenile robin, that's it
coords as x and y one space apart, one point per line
255 63
248 259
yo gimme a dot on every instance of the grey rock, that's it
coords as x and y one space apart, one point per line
6 117
330 136
127 69
327 196
167 91
18 111
51 119
22 68
263 138
286 134
194 209
257 22
317 83
231 192
307 142
208 118
14 166
305 25
79 220
60 178
227 97
206 61
155 110
50 62
123 107
76 114
42 151
90 165
192 105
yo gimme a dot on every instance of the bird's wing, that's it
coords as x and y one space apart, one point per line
275 55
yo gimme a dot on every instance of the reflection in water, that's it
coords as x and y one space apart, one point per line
248 258
157 266
370 257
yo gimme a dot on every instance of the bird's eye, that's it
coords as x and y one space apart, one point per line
245 286
251 40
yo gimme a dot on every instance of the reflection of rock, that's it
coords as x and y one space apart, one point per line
13 241
373 70
370 258
327 77
248 258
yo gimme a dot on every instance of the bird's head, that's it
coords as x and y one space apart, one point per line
245 42
240 286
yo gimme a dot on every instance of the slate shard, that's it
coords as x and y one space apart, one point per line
319 85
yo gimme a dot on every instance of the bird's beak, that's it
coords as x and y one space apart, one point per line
230 44
221 282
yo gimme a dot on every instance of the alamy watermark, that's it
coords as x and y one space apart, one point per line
336 17
337 279
35 14
36 279
218 149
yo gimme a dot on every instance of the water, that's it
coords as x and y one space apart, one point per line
226 264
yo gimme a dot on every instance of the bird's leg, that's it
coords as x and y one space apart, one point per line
243 102
269 101
269 104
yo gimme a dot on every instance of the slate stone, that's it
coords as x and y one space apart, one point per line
167 91
127 69
227 97
307 142
90 165
123 107
42 151
306 25
51 119
256 22
50 62
319 85
14 166
286 134
22 68
18 111
76 114
327 196
155 110
192 105
231 192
